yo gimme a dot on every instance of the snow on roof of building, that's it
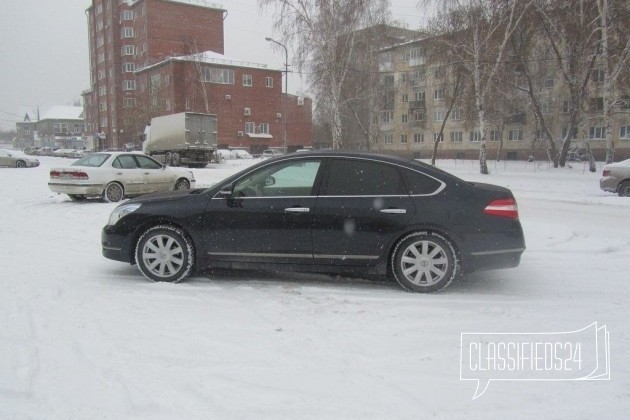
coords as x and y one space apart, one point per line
60 112
210 57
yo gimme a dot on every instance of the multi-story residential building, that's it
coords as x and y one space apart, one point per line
126 35
26 130
416 105
246 97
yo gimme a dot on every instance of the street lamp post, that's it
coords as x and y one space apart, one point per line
286 90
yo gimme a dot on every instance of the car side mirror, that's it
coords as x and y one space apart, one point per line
226 191
269 181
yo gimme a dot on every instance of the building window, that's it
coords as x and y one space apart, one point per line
269 82
264 128
129 102
438 115
129 85
169 105
102 91
60 128
457 136
566 106
247 80
127 15
100 58
440 72
565 131
127 33
403 139
100 41
250 127
545 107
515 134
128 67
167 80
404 118
104 122
103 106
419 116
418 138
598 76
597 104
475 136
388 138
128 50
387 116
405 98
495 135
549 82
435 137
100 75
597 133
624 132
187 103
419 96
456 114
438 94
220 76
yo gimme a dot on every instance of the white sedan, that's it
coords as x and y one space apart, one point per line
115 175
15 159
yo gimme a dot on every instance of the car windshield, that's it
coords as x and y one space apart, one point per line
94 160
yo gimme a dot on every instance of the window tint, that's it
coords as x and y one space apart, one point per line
363 177
147 163
286 179
419 184
125 162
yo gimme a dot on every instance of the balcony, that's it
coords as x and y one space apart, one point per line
417 106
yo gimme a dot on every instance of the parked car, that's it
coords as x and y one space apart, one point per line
270 153
223 154
616 178
16 159
324 212
116 175
240 154
76 154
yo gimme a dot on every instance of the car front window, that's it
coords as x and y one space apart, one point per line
94 160
286 179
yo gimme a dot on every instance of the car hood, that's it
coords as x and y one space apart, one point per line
165 196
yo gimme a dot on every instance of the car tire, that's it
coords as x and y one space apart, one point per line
425 262
182 184
165 254
113 192
20 164
624 189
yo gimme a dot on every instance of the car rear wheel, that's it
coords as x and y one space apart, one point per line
20 164
624 189
165 253
182 184
425 262
113 192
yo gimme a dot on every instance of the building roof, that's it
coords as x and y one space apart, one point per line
201 3
60 112
209 57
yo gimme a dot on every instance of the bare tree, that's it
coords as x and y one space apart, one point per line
477 32
323 36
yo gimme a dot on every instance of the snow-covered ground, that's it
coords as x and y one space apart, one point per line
83 337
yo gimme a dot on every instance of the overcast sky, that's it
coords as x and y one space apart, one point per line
44 49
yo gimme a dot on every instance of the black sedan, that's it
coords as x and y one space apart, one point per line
328 212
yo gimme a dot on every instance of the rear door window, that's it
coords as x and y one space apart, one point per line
360 177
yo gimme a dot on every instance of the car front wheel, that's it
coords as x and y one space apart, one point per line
165 253
624 189
182 184
425 262
20 164
113 192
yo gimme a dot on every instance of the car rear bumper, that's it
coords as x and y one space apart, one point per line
85 189
609 184
491 260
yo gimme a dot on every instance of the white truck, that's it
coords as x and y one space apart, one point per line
183 139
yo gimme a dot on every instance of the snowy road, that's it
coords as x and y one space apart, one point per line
83 337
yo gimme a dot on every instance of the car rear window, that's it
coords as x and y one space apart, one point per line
94 160
419 184
358 177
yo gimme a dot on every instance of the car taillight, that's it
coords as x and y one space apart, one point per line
76 175
54 174
503 208
80 175
606 172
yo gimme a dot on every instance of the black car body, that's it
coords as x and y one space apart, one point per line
324 212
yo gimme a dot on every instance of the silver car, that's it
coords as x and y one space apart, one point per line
15 159
616 178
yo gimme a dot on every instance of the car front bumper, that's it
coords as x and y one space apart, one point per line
116 246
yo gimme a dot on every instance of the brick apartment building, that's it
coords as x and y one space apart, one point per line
145 62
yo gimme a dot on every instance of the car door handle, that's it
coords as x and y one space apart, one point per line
394 211
147 173
118 173
297 210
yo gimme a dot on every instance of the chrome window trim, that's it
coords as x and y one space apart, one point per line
436 192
